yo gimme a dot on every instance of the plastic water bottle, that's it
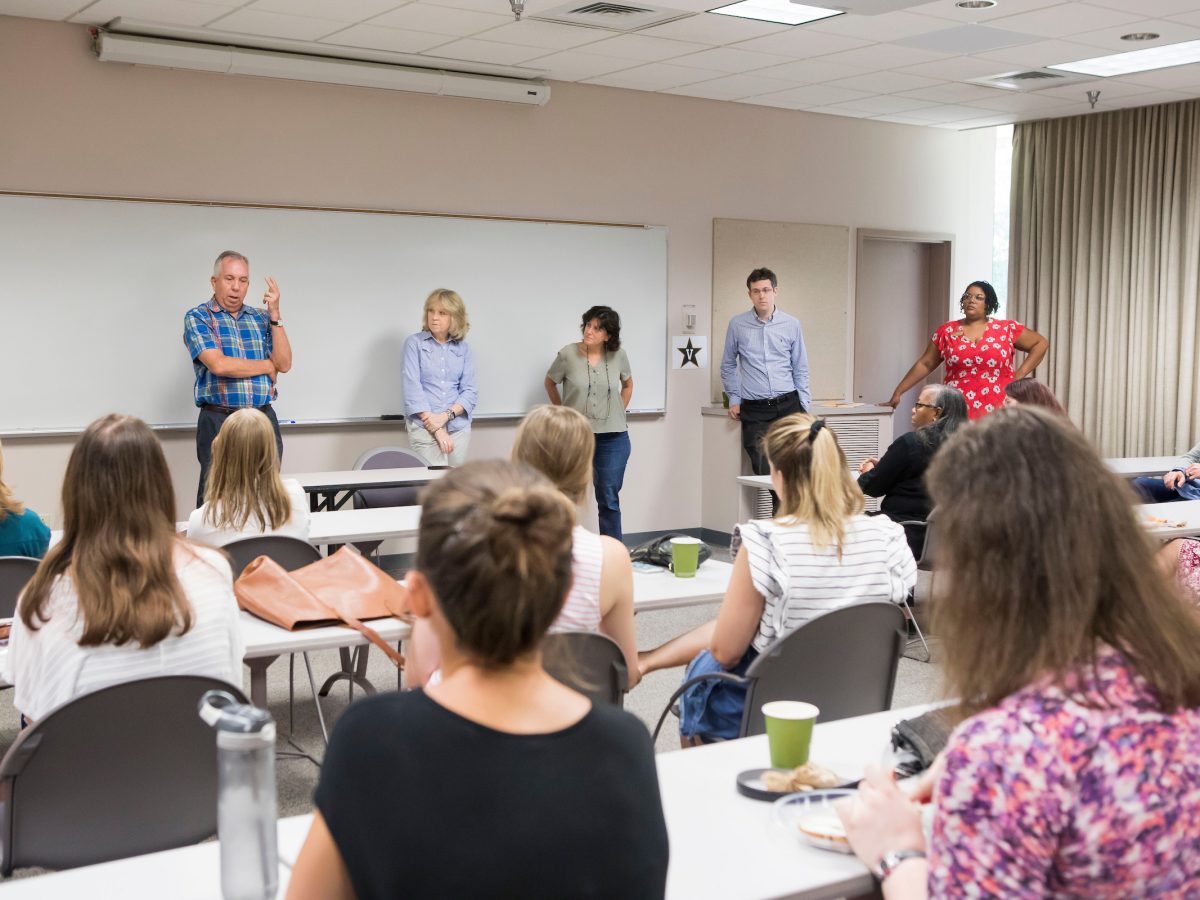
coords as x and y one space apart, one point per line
246 807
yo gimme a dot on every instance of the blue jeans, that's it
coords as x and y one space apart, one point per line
608 474
1154 491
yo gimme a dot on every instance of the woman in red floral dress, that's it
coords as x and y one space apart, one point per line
978 352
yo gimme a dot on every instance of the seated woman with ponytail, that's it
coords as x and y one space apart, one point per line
820 553
498 781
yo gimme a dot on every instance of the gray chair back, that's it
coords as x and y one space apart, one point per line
387 458
590 663
843 661
15 572
289 552
127 770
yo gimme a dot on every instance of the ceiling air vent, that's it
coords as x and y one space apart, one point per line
619 17
1033 80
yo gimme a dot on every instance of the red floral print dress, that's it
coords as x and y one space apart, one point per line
980 369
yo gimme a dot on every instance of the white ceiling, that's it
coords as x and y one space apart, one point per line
911 66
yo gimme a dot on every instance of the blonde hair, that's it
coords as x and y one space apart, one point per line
244 481
8 503
558 442
453 304
817 487
118 542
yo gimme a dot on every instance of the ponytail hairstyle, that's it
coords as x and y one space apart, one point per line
495 546
558 442
8 503
244 482
817 488
118 544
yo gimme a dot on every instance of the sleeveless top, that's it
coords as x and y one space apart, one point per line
581 611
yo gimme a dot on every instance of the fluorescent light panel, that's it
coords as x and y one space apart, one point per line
782 12
1136 60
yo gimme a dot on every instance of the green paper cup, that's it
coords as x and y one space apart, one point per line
789 731
685 556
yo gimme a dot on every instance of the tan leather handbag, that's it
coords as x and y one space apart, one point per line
343 588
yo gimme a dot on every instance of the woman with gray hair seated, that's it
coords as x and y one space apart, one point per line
899 476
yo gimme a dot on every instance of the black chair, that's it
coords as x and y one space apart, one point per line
844 662
922 592
291 553
126 770
591 663
15 572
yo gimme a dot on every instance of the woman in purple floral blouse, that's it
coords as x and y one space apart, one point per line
1075 768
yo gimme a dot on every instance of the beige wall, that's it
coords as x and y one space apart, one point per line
72 124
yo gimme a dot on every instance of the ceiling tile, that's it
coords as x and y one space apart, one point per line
42 9
967 40
532 7
550 35
983 122
1109 87
883 105
644 49
713 29
270 24
654 77
811 95
1192 18
575 65
376 37
1174 78
164 12
802 43
1064 19
1110 38
811 71
957 68
886 27
839 111
949 113
1152 99
341 11
1040 54
440 19
485 52
729 59
1148 7
731 87
949 9
947 92
882 56
885 82
1012 101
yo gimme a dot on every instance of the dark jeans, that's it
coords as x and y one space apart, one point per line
1154 490
608 474
207 425
757 416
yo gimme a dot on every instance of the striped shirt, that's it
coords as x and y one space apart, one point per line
581 611
49 668
244 336
799 582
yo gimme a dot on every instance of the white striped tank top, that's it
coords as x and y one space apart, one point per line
581 612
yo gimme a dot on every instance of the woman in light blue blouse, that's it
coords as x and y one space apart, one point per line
439 382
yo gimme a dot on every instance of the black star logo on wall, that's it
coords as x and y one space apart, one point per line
691 354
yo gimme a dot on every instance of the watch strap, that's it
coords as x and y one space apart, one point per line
277 322
892 859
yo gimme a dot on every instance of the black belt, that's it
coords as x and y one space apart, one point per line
229 410
773 401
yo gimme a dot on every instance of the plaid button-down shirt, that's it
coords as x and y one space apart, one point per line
244 336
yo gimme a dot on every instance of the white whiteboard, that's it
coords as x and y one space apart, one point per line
92 316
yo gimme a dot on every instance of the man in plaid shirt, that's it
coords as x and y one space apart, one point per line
238 353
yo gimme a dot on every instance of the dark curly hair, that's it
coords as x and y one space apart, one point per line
991 301
606 317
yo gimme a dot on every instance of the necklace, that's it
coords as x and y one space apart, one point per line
592 388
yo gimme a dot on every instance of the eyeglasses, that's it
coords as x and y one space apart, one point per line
920 405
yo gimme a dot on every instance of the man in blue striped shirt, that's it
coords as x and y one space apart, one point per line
765 368
237 352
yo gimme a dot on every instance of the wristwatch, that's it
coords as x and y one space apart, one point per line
451 414
893 858
277 322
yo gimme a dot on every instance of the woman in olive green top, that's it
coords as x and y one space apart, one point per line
595 378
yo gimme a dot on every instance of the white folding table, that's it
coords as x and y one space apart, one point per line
662 590
1139 466
1182 518
323 488
346 526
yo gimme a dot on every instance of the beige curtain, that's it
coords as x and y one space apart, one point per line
1104 259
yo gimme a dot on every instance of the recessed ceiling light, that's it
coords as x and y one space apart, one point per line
1135 60
1141 36
975 4
782 12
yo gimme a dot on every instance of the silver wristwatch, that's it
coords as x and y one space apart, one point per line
893 858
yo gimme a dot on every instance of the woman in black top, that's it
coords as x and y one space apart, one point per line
498 781
899 477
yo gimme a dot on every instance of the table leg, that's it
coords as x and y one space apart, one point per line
258 679
353 670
